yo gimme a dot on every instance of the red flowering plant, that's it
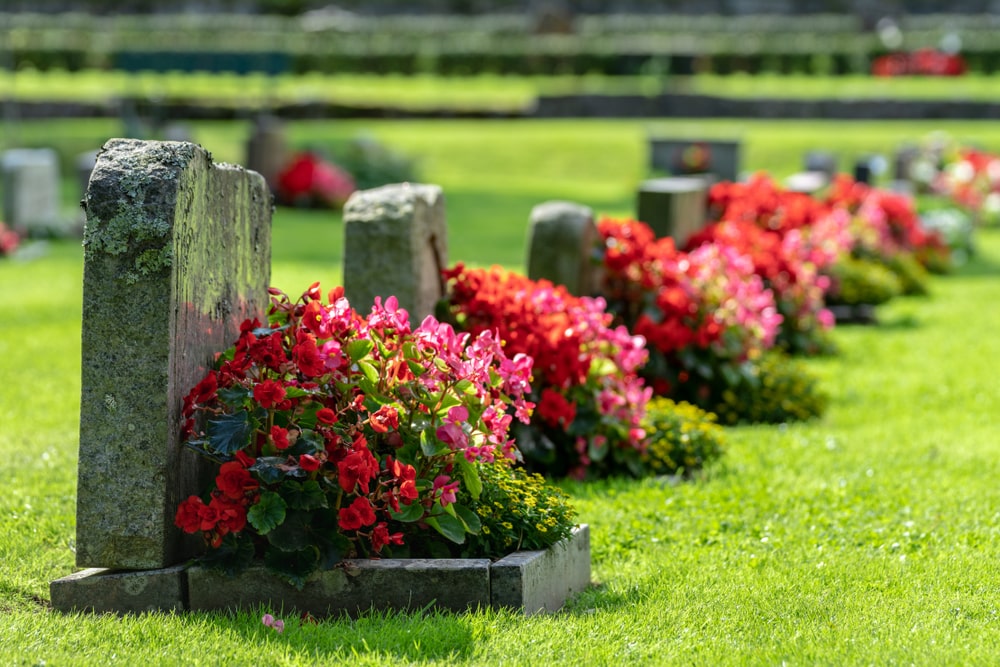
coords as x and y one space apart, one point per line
340 435
9 240
590 400
706 315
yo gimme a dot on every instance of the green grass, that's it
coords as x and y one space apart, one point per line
482 92
871 536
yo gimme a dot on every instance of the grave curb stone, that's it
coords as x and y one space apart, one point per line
100 590
542 581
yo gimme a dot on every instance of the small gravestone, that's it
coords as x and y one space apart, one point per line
823 162
905 159
176 256
30 184
807 182
681 157
674 207
396 244
863 172
561 242
267 149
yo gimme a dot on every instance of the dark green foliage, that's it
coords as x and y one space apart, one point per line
779 389
861 281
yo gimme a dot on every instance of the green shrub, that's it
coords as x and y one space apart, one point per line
860 281
912 275
780 389
518 510
373 164
682 437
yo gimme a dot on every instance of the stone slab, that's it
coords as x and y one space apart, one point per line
101 590
674 206
30 182
396 244
354 587
721 158
542 581
561 241
176 256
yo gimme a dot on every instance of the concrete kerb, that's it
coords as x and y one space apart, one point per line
529 581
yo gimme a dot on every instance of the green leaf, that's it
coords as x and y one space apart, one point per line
273 469
303 495
308 442
470 477
430 445
292 534
230 433
469 518
233 556
267 513
294 567
408 513
464 386
449 526
233 396
359 348
416 367
297 392
369 371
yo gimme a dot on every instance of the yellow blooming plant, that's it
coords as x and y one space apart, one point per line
682 437
518 511
782 390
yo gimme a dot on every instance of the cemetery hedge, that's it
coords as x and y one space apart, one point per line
868 536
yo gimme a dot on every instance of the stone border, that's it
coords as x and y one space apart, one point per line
529 581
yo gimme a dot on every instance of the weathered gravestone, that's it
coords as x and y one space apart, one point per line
674 207
267 149
30 180
396 244
681 157
561 243
176 256
823 162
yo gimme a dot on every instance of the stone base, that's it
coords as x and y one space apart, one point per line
861 313
530 581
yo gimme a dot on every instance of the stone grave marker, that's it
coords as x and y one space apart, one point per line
176 256
396 244
30 182
681 157
561 241
267 149
823 162
807 182
674 207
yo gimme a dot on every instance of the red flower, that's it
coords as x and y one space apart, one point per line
382 537
234 481
245 459
188 517
555 409
309 463
279 436
357 468
406 475
306 355
383 419
358 514
326 416
268 393
230 517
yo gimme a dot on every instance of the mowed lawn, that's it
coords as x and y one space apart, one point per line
871 536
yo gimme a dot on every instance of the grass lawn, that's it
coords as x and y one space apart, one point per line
482 92
871 536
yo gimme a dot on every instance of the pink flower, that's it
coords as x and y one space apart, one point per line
270 621
441 483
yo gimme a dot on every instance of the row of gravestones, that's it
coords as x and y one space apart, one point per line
30 180
176 255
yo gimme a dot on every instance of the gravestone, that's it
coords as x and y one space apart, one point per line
905 158
176 256
30 180
807 182
823 162
681 157
396 244
561 241
674 207
267 149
